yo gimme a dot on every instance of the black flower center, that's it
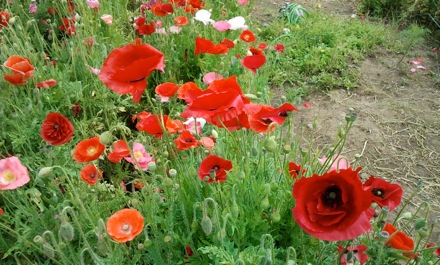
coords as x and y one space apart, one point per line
266 121
282 114
188 140
56 126
332 196
378 192
216 168
137 80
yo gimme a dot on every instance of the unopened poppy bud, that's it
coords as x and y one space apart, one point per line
419 224
265 203
214 134
194 226
206 225
212 173
67 231
276 217
167 182
173 173
106 138
48 250
407 215
152 166
77 17
254 151
270 145
349 257
11 20
45 171
241 174
221 234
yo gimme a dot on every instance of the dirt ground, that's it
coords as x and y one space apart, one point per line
397 130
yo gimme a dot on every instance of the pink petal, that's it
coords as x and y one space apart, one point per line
221 25
421 67
93 3
413 70
108 19
242 2
414 62
210 77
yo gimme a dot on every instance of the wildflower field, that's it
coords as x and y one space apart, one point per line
162 132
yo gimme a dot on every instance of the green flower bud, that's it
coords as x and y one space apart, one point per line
423 232
45 171
287 148
270 145
206 225
167 182
48 250
67 232
38 240
214 134
419 224
106 138
194 226
407 215
265 203
167 239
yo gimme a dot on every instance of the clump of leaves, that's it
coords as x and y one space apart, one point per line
293 13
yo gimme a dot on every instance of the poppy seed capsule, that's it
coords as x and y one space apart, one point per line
173 172
407 215
152 166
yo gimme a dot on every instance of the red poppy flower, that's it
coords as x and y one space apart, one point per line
56 129
399 240
4 19
384 193
166 90
125 225
228 43
152 124
126 69
90 174
88 150
357 251
296 171
21 68
188 91
255 51
52 10
47 83
436 251
279 48
181 21
262 46
247 36
207 46
262 116
253 62
160 9
186 141
142 28
68 26
222 102
120 150
332 206
213 169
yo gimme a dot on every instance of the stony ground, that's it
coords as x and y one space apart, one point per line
398 126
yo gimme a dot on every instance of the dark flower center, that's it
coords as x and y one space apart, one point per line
56 126
282 114
378 192
92 176
188 140
266 121
216 168
332 196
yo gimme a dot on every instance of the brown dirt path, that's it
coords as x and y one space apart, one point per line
398 114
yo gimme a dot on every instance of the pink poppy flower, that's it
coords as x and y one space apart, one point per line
194 125
141 157
207 142
222 25
108 19
33 7
93 3
12 173
211 77
243 2
338 164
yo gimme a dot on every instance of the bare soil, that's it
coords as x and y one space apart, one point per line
397 130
